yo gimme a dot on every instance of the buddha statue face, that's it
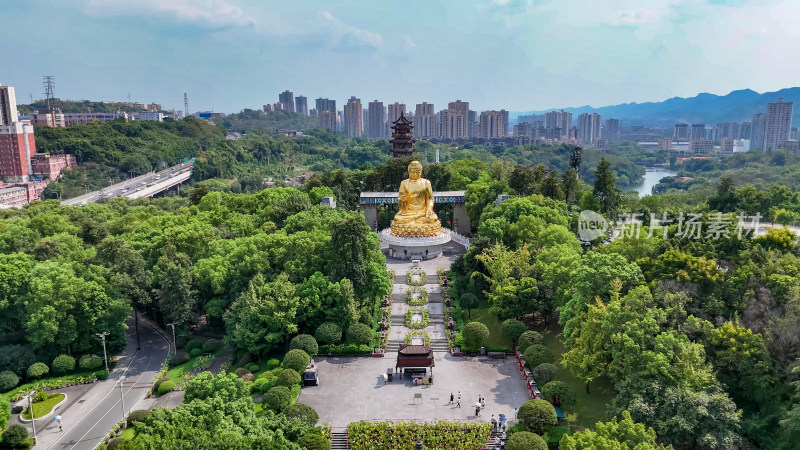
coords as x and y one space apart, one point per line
415 170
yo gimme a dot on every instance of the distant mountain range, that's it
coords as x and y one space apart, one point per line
710 109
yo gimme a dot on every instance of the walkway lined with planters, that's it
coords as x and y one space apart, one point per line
402 310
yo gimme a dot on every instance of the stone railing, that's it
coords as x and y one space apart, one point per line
461 240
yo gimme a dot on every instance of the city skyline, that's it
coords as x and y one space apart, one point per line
229 55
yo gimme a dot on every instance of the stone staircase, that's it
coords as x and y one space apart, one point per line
339 441
440 345
394 345
491 444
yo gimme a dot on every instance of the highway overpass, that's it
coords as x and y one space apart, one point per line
146 185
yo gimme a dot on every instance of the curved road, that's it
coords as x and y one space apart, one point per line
90 419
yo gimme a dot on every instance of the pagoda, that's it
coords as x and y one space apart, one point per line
402 137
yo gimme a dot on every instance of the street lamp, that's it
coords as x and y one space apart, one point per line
174 344
122 396
30 408
87 187
105 356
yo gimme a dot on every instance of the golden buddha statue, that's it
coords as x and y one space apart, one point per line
415 216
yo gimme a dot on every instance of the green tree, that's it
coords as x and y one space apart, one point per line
289 378
302 412
624 434
305 342
474 334
545 373
63 364
529 338
538 415
538 354
605 190
264 315
525 440
8 380
569 179
512 329
176 299
359 334
16 436
225 386
558 393
277 398
37 370
297 360
468 301
329 333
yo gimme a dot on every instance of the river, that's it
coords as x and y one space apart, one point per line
651 178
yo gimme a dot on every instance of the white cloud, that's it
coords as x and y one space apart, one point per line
348 36
214 13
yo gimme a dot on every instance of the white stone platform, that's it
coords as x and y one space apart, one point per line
415 247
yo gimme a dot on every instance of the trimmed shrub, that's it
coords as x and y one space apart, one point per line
8 380
314 441
279 397
252 367
16 436
537 354
241 371
193 344
474 334
179 358
329 333
211 347
5 411
195 352
359 334
289 377
299 411
273 363
36 370
262 385
137 415
90 362
63 364
545 373
166 386
538 415
306 343
296 359
525 440
529 338
116 442
248 377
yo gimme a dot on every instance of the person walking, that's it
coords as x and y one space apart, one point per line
477 410
494 424
483 402
458 404
451 399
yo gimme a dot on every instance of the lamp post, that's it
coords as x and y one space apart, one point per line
33 419
105 355
174 344
122 396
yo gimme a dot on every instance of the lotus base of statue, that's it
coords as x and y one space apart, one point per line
415 247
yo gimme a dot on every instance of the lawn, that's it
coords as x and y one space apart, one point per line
44 407
485 317
589 408
128 433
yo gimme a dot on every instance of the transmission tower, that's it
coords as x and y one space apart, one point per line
185 105
48 83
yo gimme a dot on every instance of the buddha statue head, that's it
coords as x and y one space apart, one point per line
415 170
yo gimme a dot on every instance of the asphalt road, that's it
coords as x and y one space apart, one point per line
129 186
91 417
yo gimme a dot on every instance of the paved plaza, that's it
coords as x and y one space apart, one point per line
352 389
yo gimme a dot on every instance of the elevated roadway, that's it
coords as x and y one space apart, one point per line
145 185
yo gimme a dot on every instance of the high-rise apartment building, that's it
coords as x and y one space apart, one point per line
701 146
376 124
779 124
8 105
394 110
681 131
745 130
558 119
353 118
698 131
472 124
505 121
301 105
589 127
425 120
491 125
612 130
461 109
757 127
453 124
286 99
326 114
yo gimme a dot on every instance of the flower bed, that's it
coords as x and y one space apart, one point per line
403 435
426 318
416 277
418 333
345 349
43 407
56 383
417 296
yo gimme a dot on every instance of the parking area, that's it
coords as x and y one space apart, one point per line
353 389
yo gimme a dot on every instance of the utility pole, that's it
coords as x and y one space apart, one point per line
49 83
174 344
105 355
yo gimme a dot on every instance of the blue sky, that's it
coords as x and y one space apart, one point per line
513 54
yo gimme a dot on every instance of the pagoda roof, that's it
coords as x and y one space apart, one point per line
402 120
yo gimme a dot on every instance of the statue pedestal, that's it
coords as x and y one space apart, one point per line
415 247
